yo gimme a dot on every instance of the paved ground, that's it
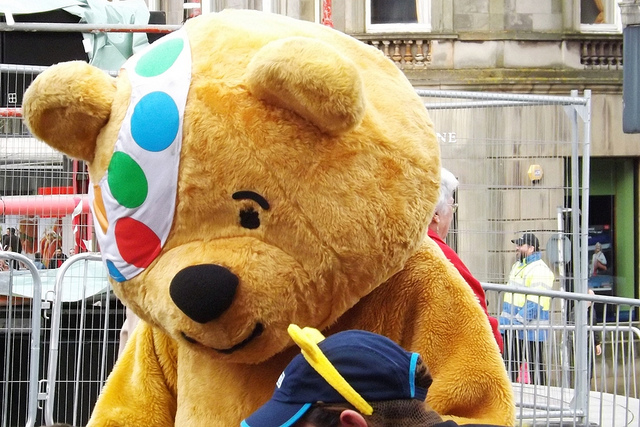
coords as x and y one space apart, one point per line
552 406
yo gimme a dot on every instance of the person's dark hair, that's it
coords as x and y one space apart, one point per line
37 256
326 415
390 413
423 375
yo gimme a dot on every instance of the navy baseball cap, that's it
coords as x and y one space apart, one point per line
527 239
375 368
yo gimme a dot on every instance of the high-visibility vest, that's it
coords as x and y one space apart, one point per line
534 275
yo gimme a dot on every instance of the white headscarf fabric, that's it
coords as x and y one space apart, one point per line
134 203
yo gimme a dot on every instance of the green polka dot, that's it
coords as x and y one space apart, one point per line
127 181
160 58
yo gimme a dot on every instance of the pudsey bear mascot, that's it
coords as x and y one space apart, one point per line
250 171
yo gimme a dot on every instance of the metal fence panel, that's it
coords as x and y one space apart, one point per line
19 342
83 341
56 349
612 395
523 166
519 160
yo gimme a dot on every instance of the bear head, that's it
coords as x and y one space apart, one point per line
248 171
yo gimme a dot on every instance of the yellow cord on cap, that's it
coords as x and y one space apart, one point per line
308 339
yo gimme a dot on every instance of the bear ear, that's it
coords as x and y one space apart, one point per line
67 105
310 78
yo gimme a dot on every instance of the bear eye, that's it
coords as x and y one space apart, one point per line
249 217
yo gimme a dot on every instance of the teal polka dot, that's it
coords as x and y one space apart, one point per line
155 121
127 181
160 58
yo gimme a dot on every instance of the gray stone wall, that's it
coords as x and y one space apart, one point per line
607 137
491 153
507 15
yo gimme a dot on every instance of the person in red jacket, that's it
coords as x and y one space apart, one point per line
438 230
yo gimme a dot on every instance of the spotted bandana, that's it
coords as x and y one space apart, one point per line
134 202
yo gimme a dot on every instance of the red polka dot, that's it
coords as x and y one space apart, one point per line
137 243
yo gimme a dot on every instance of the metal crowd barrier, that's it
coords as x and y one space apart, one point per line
576 385
79 338
83 345
14 378
93 341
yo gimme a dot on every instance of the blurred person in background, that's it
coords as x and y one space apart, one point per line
594 337
58 258
37 261
438 230
11 242
524 348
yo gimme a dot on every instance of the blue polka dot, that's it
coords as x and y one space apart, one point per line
155 121
114 272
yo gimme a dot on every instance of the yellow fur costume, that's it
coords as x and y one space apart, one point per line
307 174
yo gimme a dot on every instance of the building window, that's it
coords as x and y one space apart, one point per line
398 16
600 16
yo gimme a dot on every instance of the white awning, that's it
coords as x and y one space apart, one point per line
27 152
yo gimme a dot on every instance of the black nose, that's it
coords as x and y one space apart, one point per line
203 292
